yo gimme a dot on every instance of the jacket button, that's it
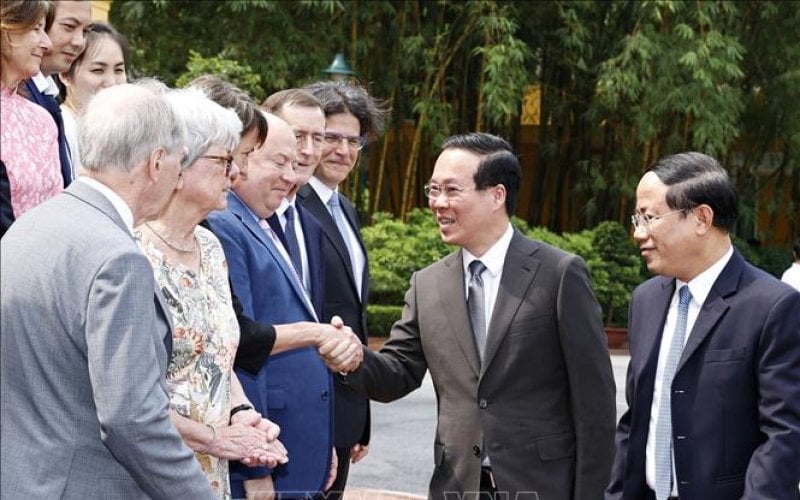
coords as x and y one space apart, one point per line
483 404
324 395
678 391
680 438
476 450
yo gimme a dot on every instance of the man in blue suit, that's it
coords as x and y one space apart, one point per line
713 383
294 387
67 24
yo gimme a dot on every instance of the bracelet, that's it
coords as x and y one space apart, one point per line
239 408
213 439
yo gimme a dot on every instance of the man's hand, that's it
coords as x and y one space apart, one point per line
358 451
259 489
340 348
334 469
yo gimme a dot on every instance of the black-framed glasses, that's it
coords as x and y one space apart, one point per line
645 221
355 142
449 191
225 161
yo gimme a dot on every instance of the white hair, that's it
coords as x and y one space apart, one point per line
206 122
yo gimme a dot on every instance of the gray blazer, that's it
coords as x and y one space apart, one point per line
84 401
541 406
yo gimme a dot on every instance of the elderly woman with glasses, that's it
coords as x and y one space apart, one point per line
209 407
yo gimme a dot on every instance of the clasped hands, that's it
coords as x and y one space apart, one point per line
340 348
254 438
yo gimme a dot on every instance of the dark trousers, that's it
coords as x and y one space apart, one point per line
337 490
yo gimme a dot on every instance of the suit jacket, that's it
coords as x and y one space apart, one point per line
50 103
736 391
343 299
293 388
84 400
541 406
6 210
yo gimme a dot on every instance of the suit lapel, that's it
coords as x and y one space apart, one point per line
313 203
652 328
451 289
714 307
246 217
91 196
519 270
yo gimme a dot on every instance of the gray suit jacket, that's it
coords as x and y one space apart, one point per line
542 403
84 402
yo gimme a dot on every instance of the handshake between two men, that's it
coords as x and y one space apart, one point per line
339 347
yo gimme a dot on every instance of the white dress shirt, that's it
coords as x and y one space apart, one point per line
792 276
699 287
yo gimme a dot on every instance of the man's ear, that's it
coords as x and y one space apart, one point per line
499 193
704 215
154 164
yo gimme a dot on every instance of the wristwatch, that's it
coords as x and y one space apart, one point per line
237 409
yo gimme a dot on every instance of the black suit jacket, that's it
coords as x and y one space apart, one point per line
6 210
342 299
51 105
736 391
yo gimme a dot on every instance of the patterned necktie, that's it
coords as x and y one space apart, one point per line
341 223
476 303
291 240
663 444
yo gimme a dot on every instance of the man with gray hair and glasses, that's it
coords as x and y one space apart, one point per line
85 333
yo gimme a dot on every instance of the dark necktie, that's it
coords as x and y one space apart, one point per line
291 240
663 438
476 303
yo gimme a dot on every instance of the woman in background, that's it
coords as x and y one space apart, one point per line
28 135
102 64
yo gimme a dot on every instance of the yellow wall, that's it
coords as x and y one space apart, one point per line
100 10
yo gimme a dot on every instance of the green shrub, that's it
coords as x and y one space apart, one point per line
397 249
380 319
225 67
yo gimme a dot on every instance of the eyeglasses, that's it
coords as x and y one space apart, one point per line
433 191
356 142
645 221
225 161
302 138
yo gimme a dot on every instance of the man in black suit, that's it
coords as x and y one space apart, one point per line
66 26
350 115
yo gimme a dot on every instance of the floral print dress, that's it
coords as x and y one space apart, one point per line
205 336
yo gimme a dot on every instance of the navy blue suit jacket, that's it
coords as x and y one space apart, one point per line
342 299
293 388
736 392
51 105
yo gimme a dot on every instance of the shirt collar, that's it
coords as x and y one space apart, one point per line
323 191
45 84
701 285
116 201
285 204
494 258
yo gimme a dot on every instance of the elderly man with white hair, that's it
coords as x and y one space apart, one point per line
85 334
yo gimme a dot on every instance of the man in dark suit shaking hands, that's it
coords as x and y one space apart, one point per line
511 333
714 379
